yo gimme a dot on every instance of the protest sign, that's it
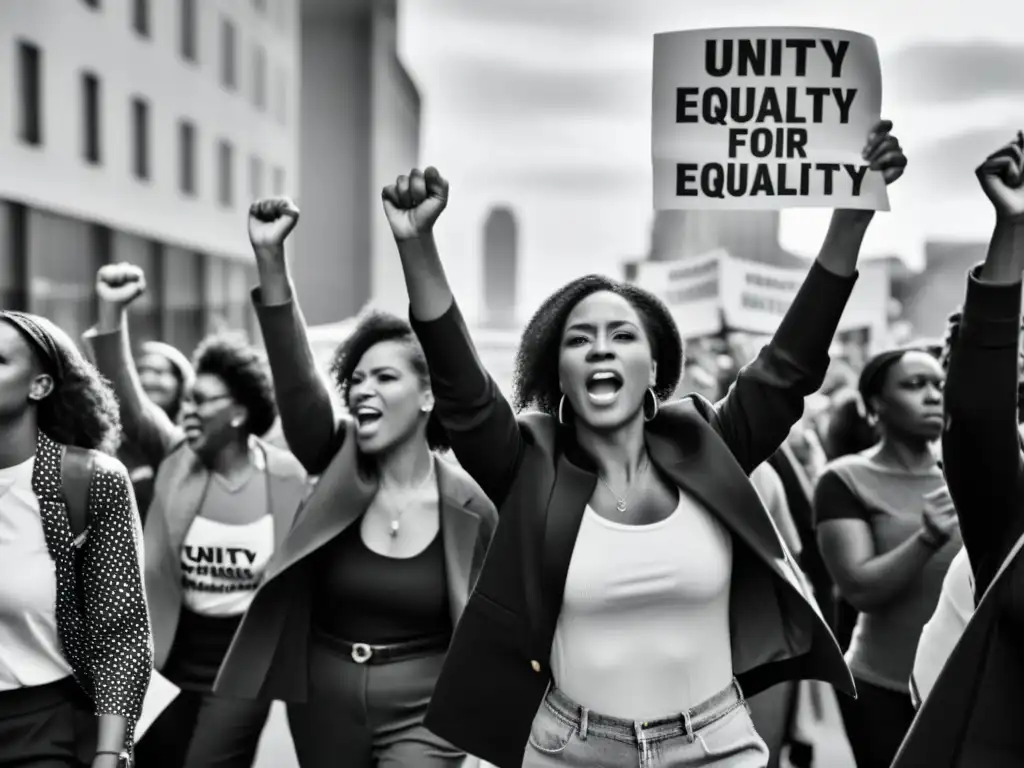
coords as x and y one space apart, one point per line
754 118
716 291
690 289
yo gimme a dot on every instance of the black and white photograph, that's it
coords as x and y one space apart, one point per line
511 384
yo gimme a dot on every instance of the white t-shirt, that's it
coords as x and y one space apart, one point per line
942 632
30 651
222 564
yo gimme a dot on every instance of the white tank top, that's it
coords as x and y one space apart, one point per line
644 627
223 564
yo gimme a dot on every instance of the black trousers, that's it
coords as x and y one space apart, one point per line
876 723
200 730
47 726
368 716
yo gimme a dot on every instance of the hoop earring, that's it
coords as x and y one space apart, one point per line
561 405
654 399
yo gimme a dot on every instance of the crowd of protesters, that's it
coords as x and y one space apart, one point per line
637 559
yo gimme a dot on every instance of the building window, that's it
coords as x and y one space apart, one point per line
187 157
140 138
255 177
30 85
91 117
259 77
281 96
228 55
260 5
140 17
278 180
92 3
188 30
225 172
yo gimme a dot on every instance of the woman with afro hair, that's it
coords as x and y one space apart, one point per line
223 501
75 647
351 627
636 588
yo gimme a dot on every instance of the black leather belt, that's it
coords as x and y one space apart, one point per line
367 653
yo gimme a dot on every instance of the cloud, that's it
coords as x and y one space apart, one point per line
520 92
966 71
946 166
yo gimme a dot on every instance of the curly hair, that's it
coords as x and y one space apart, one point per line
373 327
952 334
244 370
82 409
536 372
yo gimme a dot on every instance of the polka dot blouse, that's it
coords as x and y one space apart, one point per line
102 619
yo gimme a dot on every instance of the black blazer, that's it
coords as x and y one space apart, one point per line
972 715
498 666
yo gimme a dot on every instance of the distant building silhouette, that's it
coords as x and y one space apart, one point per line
750 235
930 295
500 273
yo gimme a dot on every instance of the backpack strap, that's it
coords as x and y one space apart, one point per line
76 470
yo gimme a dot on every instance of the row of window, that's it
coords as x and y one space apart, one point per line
188 47
30 131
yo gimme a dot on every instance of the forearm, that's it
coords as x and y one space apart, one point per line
875 582
430 296
1004 260
841 248
275 280
113 737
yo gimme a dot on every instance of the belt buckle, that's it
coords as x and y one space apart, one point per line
361 653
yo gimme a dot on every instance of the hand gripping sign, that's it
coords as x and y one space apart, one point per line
756 118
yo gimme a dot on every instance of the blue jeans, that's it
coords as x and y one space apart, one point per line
717 732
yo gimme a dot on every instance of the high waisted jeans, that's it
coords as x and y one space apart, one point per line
717 732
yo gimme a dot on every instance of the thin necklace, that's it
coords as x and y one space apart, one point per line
396 520
620 503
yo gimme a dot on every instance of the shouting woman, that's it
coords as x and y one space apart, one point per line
353 622
75 647
636 586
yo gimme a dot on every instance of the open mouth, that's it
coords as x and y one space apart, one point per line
192 430
603 387
367 417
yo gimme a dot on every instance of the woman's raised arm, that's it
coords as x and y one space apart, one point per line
981 446
768 397
310 425
145 424
481 424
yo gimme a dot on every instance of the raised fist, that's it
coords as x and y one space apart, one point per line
1000 177
413 203
271 221
120 284
884 153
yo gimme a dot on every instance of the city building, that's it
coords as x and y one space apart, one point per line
501 268
360 130
140 130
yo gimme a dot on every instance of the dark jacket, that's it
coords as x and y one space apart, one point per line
972 715
268 658
498 666
102 621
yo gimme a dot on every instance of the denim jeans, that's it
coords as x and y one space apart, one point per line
717 732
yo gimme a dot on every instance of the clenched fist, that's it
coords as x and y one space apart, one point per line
271 221
413 203
120 284
1001 177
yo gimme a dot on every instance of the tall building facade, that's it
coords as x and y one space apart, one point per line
360 130
140 130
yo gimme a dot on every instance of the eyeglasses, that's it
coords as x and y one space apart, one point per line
198 404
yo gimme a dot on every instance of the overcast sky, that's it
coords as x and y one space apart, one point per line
545 105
